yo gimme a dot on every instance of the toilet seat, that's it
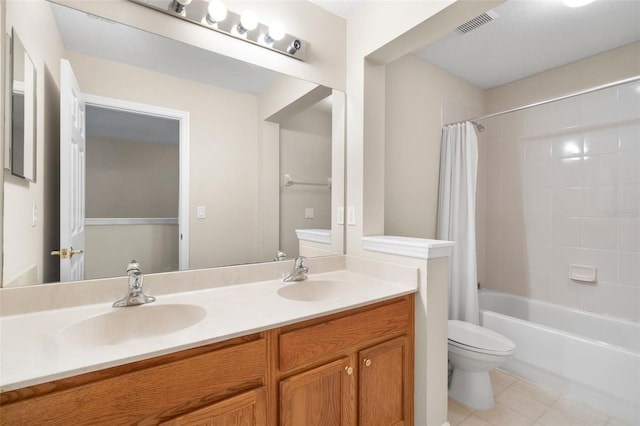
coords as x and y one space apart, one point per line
474 338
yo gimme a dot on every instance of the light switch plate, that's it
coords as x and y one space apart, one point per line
308 213
351 216
201 213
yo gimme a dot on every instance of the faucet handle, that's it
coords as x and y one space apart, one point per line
133 266
299 262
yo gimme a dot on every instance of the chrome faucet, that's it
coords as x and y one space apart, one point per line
280 256
135 295
299 272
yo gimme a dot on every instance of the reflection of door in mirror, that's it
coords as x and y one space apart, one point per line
126 181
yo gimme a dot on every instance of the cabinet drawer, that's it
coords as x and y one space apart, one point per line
149 395
331 338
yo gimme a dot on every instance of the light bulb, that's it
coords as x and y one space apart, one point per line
217 11
276 31
248 20
577 3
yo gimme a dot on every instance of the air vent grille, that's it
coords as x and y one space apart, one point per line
476 22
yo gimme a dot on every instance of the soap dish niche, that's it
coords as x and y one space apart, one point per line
583 273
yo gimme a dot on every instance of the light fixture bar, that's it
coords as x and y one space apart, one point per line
197 12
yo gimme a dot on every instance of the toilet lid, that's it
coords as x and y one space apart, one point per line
467 334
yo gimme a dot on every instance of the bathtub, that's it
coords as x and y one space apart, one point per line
589 358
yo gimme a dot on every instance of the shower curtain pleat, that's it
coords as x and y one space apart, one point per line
457 217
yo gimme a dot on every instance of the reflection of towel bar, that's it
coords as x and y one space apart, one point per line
288 181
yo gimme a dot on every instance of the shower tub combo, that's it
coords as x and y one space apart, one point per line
589 358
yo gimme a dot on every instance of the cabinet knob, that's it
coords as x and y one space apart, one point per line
349 370
367 362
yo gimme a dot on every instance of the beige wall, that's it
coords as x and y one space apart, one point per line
305 154
25 245
109 248
614 65
131 179
416 92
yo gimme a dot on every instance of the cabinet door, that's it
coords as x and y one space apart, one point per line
321 396
385 384
247 409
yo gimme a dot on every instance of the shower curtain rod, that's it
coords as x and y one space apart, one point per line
478 126
559 98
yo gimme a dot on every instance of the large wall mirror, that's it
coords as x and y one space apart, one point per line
192 159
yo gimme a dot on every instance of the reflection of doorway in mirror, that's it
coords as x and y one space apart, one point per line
132 190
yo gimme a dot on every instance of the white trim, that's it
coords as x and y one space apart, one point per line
316 235
183 118
420 248
100 221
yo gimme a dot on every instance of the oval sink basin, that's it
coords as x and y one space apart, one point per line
313 291
131 323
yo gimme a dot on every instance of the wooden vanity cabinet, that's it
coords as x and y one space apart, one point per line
222 383
348 369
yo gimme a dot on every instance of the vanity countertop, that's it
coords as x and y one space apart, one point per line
32 350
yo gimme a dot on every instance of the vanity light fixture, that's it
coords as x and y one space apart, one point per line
214 15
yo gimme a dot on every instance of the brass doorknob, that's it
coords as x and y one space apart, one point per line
66 253
349 370
367 362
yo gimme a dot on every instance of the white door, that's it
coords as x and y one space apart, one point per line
72 175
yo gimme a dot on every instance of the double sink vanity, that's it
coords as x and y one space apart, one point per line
336 348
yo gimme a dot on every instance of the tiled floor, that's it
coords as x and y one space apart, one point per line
520 403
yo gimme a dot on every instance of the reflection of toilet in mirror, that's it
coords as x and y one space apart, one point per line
473 352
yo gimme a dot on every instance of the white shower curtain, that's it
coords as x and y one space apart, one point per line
457 216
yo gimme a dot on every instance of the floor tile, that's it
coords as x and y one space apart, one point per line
504 416
582 412
498 387
500 376
457 413
474 420
545 396
521 403
616 422
555 417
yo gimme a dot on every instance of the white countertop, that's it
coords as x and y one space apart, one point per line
32 352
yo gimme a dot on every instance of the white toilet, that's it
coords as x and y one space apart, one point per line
473 351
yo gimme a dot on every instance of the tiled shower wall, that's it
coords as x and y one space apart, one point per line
561 186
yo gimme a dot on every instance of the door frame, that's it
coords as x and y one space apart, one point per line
183 119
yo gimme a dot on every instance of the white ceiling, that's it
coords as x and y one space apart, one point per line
531 36
342 8
527 37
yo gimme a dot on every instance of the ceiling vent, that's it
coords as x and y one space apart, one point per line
477 22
